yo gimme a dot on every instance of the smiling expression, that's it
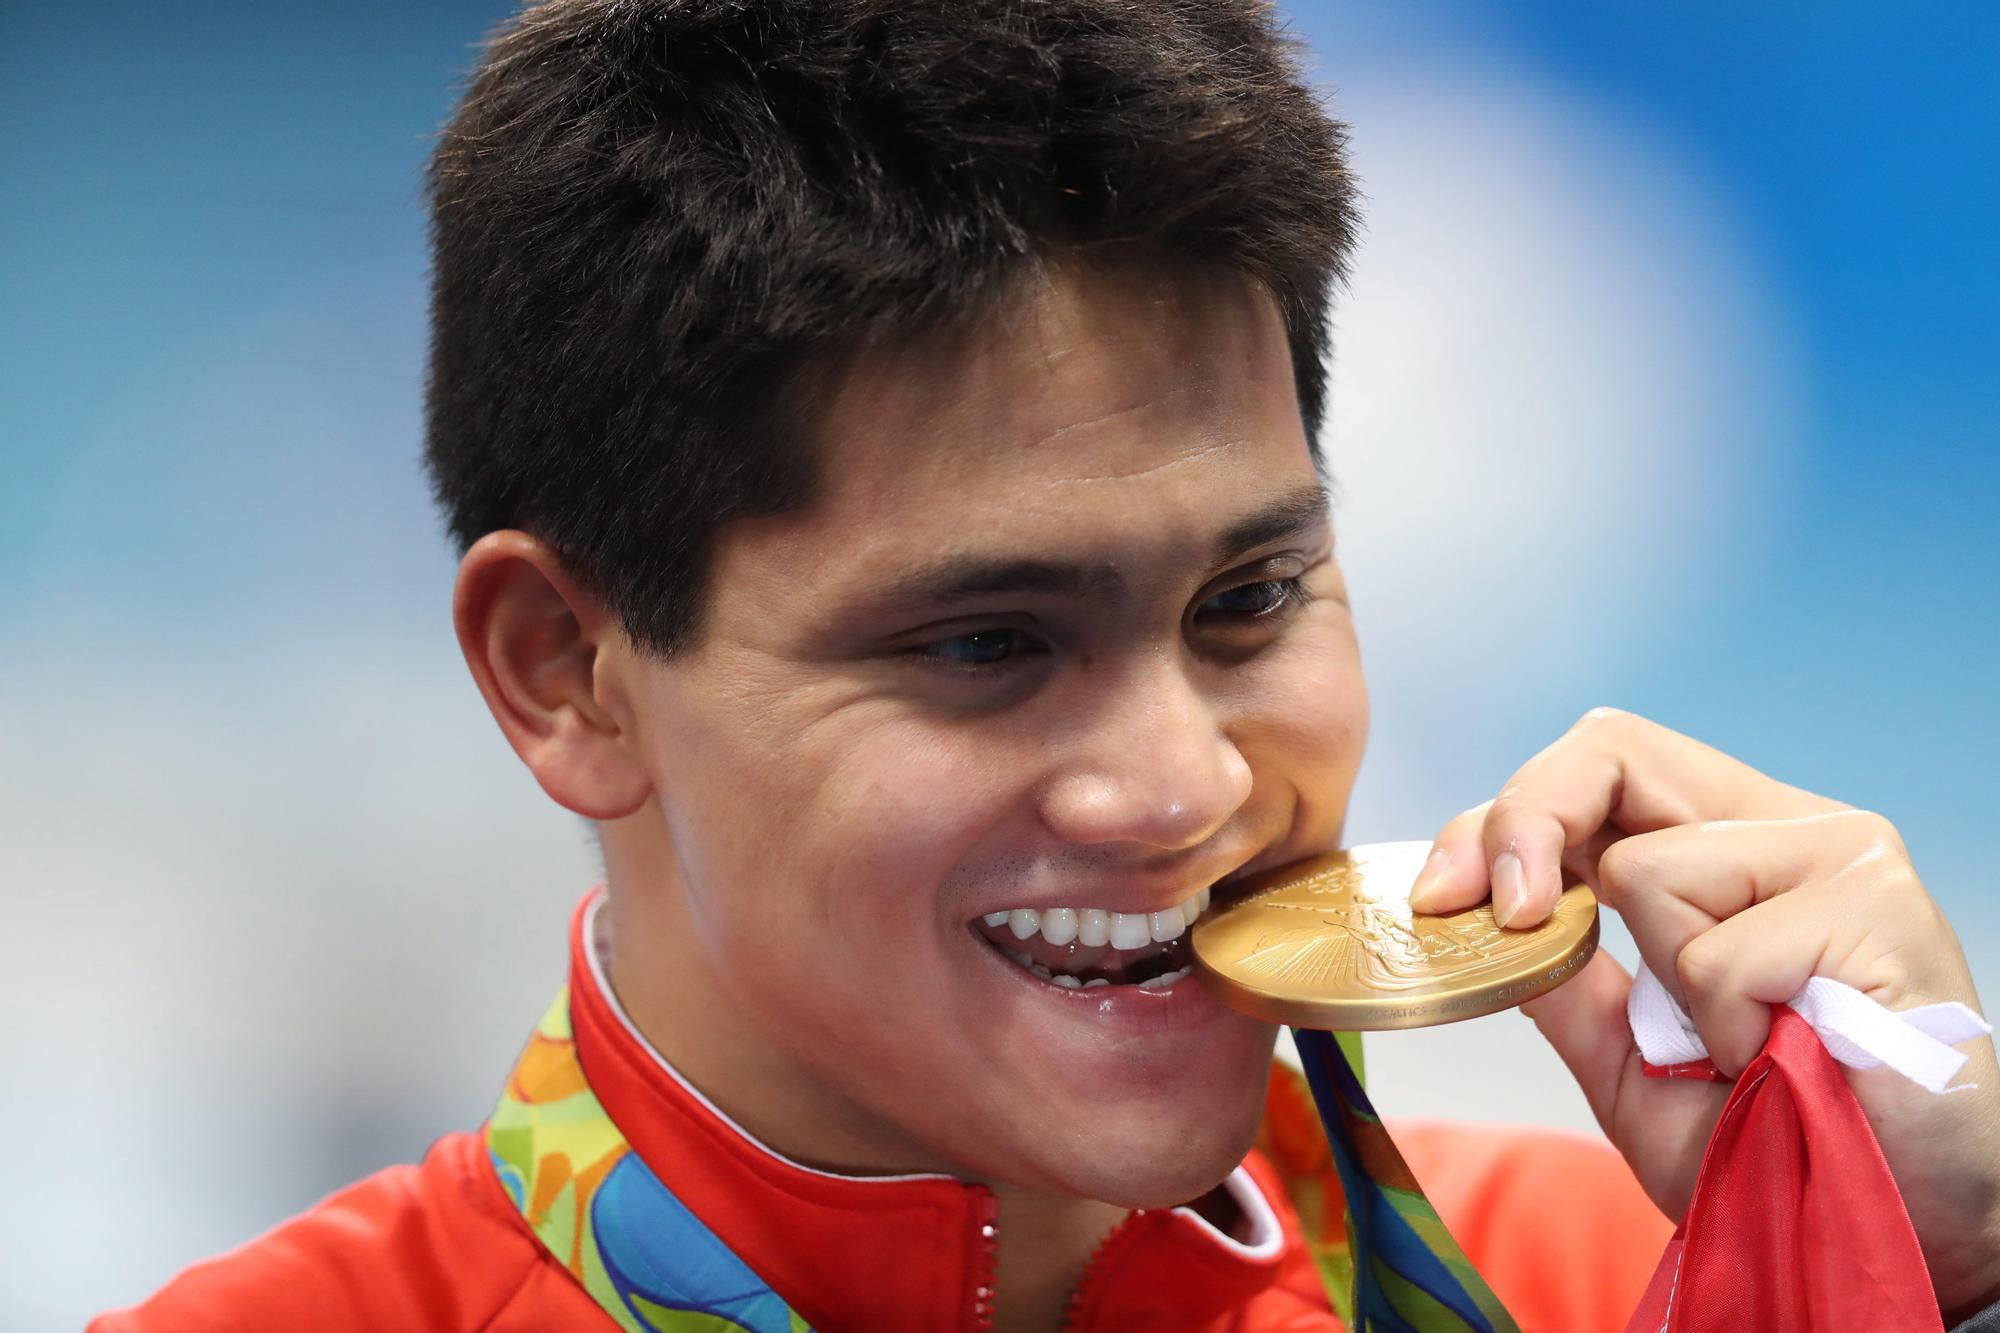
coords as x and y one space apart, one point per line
1060 637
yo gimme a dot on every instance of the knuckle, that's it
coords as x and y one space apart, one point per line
1602 716
1621 869
1893 974
1883 834
1876 833
1700 966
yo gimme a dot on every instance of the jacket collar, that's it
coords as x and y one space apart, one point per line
906 1252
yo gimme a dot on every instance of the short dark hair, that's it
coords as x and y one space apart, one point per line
649 217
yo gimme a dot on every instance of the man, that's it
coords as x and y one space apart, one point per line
882 441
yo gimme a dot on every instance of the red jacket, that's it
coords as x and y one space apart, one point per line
1553 1221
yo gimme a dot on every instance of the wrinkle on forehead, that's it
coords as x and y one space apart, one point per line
1112 414
1178 459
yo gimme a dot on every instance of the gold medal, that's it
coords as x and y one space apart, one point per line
1330 942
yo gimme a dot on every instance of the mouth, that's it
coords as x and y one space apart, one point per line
1087 948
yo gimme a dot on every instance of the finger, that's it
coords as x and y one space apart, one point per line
1733 974
1584 1020
1454 874
1861 917
1672 885
1660 1125
1610 775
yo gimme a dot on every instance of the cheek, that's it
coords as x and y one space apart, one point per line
850 948
836 839
1303 721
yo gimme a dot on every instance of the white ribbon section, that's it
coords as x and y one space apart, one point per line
1858 1032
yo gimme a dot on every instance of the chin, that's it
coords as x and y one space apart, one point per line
1164 1189
1150 1152
1189 1168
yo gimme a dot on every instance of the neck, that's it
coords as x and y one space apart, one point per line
1046 1243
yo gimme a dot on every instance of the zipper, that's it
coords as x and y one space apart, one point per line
1116 1239
985 1262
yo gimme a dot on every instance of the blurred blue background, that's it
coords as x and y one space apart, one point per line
1667 379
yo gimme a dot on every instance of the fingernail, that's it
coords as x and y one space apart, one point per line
1427 878
1510 888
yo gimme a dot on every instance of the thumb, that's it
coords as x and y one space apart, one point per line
1584 1019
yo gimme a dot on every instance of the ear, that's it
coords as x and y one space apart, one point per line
532 639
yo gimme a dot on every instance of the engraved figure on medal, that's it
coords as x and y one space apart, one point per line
1338 931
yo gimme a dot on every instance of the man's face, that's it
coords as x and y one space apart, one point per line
1062 634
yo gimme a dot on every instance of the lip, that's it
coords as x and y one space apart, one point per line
1228 889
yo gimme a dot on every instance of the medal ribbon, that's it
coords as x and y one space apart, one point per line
1404 1272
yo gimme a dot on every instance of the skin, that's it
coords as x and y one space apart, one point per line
802 813
1738 889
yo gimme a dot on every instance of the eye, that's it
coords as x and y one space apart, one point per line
982 648
1250 601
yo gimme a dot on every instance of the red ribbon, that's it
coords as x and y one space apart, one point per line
1796 1225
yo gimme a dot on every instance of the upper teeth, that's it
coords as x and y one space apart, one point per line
1094 926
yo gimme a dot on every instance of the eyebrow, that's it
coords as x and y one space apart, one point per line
1293 514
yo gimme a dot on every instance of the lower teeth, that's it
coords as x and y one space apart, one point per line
1068 982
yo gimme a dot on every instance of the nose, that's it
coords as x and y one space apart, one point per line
1153 766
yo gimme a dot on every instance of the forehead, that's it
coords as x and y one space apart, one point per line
1089 367
1097 409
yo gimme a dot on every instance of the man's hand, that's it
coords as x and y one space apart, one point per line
1737 889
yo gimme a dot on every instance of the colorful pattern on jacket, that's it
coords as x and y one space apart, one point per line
1389 1265
649 1262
